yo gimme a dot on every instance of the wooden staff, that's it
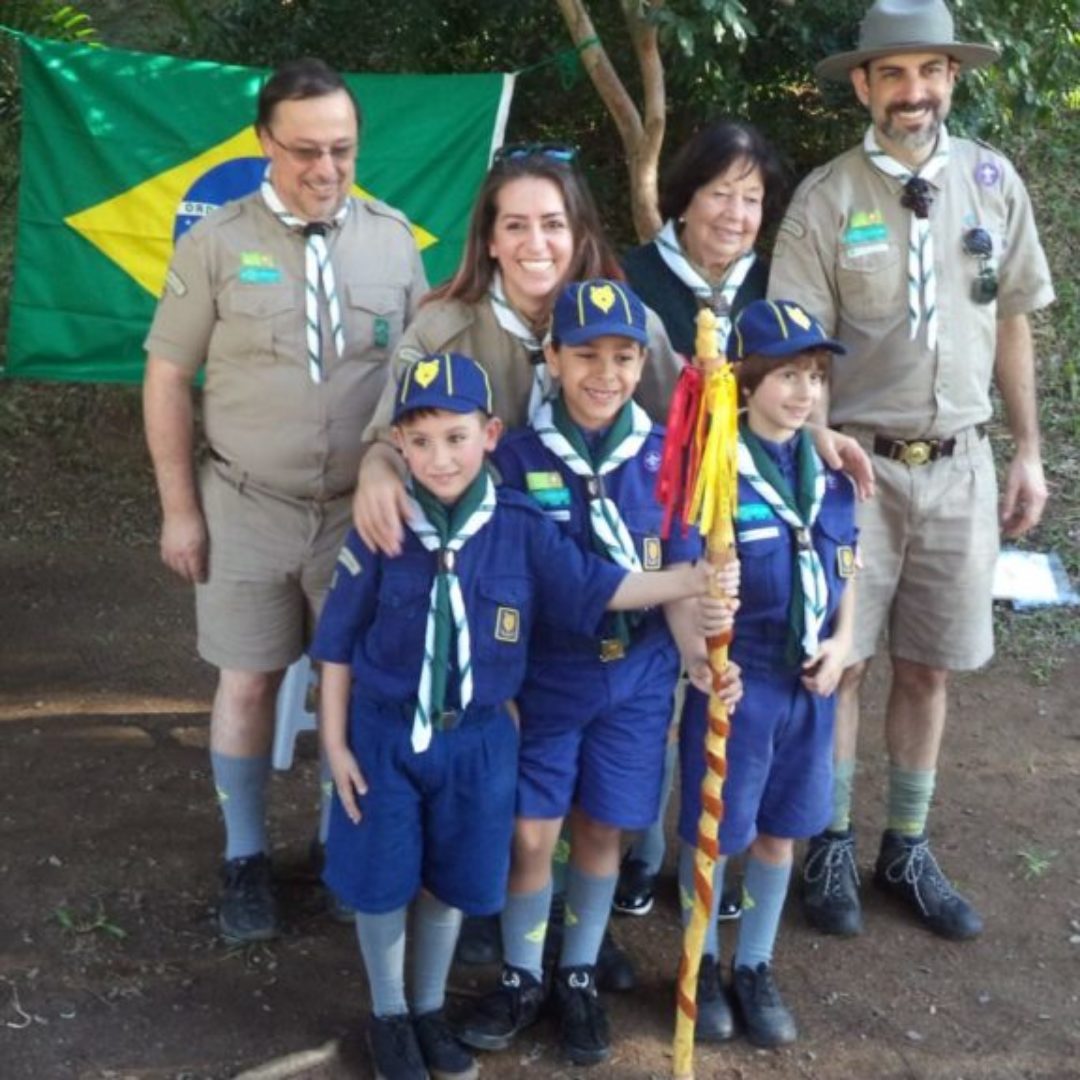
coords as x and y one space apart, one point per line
712 507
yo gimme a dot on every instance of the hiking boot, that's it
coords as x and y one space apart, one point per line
730 906
767 1020
714 1020
480 941
248 910
830 884
500 1015
583 1024
614 970
444 1056
634 892
906 867
394 1048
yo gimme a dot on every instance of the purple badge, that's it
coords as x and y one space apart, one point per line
987 173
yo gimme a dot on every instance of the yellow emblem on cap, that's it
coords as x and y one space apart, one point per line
507 625
798 316
427 371
602 297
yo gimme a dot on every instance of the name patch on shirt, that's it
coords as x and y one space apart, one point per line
550 492
845 561
767 532
865 227
754 512
260 275
652 553
507 625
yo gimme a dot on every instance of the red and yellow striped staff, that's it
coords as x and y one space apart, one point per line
699 473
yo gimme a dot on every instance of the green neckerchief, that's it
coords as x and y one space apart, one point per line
447 521
799 503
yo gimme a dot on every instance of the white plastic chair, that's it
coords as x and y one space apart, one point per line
292 714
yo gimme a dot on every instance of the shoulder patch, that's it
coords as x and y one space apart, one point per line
793 226
175 282
349 561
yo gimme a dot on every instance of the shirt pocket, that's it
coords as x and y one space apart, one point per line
766 555
871 281
256 321
373 317
501 626
400 624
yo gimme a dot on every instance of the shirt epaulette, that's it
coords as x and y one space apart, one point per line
216 218
381 209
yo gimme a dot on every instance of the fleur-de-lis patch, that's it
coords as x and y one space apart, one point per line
507 625
845 561
652 553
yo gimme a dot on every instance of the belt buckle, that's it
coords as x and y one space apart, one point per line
447 720
916 452
611 649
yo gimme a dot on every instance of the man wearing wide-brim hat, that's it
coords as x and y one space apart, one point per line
918 251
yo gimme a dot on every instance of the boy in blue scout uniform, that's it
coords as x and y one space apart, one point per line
594 706
795 537
421 655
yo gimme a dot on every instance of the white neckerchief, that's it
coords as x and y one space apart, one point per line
543 388
428 535
318 277
719 300
921 282
815 587
604 517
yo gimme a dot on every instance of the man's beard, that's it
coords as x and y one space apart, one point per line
919 138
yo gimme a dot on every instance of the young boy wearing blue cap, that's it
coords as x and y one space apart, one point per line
422 654
795 540
594 707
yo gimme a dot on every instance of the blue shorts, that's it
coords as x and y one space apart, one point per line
779 762
593 735
442 819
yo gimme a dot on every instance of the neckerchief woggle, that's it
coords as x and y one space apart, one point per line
719 300
799 510
922 286
445 530
543 389
318 277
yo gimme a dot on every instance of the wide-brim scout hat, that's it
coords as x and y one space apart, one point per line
450 381
587 310
906 26
777 329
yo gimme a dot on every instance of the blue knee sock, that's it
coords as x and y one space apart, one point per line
382 944
241 791
650 845
524 926
588 908
686 897
435 933
764 891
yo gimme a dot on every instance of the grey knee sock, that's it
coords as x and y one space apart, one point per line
765 888
686 897
241 790
435 933
650 845
326 797
588 907
524 927
382 944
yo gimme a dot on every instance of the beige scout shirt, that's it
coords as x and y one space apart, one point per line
234 300
472 329
842 253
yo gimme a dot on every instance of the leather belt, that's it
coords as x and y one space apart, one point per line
918 451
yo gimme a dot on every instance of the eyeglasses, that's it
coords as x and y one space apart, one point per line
342 154
979 244
559 153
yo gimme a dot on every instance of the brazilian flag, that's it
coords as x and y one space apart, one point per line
123 151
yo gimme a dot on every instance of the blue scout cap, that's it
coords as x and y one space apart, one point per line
448 381
590 309
777 328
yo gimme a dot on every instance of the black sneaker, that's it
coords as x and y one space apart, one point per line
830 884
906 867
730 906
634 892
444 1056
615 972
394 1048
714 1020
248 910
480 941
767 1020
583 1024
500 1015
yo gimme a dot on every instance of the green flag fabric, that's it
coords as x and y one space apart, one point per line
123 151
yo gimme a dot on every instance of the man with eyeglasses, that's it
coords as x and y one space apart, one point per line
293 299
918 251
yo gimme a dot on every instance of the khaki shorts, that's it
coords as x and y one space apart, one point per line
928 541
271 560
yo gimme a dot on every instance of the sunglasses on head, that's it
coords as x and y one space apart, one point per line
979 244
559 153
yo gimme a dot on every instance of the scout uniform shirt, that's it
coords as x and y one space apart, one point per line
235 300
841 252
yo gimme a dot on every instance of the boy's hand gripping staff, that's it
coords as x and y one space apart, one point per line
699 473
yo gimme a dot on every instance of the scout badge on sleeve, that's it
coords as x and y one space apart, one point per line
698 476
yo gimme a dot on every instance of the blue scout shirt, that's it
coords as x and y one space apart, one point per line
518 568
766 550
526 464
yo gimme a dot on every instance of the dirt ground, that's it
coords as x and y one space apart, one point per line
109 840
